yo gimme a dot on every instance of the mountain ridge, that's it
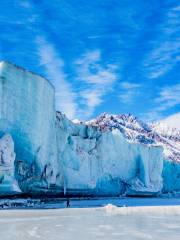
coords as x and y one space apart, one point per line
135 130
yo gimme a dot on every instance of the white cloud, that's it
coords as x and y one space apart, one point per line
165 53
129 85
54 65
25 4
90 69
128 92
97 78
168 97
93 97
90 99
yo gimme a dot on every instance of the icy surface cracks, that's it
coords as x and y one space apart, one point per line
110 155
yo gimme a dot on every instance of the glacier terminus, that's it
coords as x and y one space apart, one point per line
43 152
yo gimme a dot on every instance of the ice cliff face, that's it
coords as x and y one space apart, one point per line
156 134
27 114
106 161
136 131
8 183
110 155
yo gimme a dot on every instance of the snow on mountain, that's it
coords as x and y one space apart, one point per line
136 131
172 121
169 138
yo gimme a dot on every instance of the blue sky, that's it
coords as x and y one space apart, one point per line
115 56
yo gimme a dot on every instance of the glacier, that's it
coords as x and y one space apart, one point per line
8 183
46 153
27 114
106 161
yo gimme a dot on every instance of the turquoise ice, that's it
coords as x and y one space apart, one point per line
27 113
57 155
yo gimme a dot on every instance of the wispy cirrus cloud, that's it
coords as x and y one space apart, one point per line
97 78
165 53
92 71
25 4
54 68
129 92
169 98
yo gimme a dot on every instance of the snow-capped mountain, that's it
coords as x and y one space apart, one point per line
157 133
173 121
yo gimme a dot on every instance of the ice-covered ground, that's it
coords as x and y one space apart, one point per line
56 203
108 222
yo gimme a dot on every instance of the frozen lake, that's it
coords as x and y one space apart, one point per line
109 222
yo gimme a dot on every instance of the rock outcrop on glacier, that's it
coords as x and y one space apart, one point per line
110 155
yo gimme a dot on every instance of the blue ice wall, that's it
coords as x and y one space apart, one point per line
8 183
105 163
27 113
171 176
55 155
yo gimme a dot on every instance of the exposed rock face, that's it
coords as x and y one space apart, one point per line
111 155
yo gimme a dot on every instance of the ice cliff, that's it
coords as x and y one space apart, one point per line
43 152
27 114
107 162
8 183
